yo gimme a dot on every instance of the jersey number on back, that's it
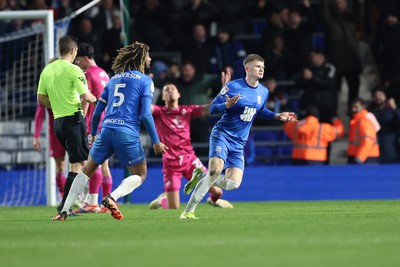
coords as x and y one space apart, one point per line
248 114
119 94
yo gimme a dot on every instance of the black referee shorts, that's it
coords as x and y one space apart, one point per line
71 132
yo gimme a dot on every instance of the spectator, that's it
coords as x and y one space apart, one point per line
279 59
318 83
363 144
113 40
342 43
196 90
87 34
276 26
198 49
152 22
227 52
298 37
193 13
388 116
277 99
311 138
387 54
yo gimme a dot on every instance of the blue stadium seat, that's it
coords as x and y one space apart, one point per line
318 40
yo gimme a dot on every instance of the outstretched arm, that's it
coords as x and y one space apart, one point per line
286 116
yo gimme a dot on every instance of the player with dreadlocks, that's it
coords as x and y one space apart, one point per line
127 100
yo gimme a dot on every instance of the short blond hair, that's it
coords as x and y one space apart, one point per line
251 58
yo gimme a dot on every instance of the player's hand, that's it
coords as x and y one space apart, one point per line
159 148
226 76
36 143
286 116
231 101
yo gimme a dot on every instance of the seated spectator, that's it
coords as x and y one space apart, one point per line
363 144
388 116
311 138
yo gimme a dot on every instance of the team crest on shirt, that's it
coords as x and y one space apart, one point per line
259 100
224 90
218 149
184 111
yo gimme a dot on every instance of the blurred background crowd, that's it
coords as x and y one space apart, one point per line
322 53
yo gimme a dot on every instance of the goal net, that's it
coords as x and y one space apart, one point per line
24 178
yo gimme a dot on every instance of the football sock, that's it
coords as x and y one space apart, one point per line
93 198
200 191
164 203
67 186
226 184
85 194
127 186
76 188
214 198
95 182
106 185
60 182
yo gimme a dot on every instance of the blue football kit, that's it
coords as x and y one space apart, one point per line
127 100
229 135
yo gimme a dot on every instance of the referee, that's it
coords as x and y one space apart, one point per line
63 88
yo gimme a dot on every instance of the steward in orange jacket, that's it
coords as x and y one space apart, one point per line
311 138
363 144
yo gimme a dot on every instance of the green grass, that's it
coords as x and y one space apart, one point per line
301 234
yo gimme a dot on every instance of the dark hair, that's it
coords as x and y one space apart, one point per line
66 44
85 49
131 57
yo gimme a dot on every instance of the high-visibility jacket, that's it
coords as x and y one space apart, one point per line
310 137
363 142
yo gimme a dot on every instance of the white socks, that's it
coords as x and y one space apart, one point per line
127 186
200 191
76 188
93 199
226 184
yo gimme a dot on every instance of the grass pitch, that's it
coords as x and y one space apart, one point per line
301 234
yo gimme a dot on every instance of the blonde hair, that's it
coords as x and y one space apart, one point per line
252 57
131 57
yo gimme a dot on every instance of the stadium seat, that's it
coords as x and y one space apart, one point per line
8 143
29 157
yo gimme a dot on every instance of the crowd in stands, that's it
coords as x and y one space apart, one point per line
314 44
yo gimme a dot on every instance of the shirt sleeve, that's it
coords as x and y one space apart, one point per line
39 117
79 80
42 85
156 110
196 110
148 88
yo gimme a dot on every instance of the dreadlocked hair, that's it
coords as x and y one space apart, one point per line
131 57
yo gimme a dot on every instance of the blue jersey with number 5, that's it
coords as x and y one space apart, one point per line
123 94
236 121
